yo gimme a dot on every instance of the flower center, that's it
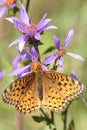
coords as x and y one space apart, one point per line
31 29
61 52
10 2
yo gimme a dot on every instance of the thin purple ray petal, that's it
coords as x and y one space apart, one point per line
49 27
23 15
51 58
12 5
2 2
69 37
44 68
78 57
41 21
16 41
37 36
22 42
34 53
43 24
57 42
19 71
10 19
61 63
19 25
16 61
3 10
1 75
25 54
73 75
23 74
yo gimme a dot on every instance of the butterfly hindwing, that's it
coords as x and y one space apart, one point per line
60 90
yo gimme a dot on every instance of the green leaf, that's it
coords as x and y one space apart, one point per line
49 49
38 118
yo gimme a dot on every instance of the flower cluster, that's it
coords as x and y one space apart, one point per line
28 29
31 38
30 65
62 51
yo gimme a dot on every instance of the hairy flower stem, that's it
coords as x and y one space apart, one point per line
64 118
21 1
27 5
52 120
49 120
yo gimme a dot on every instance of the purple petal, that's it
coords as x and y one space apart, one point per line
12 5
10 19
34 53
2 2
73 75
25 73
37 36
61 63
51 58
16 61
22 42
16 41
42 24
57 42
78 57
1 75
44 68
25 54
84 101
69 37
18 72
23 15
41 21
3 10
48 27
19 25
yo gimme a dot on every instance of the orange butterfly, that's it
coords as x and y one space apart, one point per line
54 90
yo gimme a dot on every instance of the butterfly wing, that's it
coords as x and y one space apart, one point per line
59 90
23 94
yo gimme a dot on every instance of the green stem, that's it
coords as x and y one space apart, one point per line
27 5
52 119
64 118
21 1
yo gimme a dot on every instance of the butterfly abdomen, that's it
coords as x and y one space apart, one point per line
39 85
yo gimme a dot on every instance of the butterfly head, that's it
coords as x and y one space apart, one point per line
36 66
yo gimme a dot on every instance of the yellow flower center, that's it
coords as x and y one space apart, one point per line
10 2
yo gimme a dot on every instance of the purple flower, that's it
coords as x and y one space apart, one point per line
1 75
61 51
5 5
28 29
32 56
73 75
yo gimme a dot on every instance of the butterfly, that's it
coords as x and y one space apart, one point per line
54 90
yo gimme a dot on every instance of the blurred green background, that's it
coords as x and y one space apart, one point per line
66 15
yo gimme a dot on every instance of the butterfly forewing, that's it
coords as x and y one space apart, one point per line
21 94
59 90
